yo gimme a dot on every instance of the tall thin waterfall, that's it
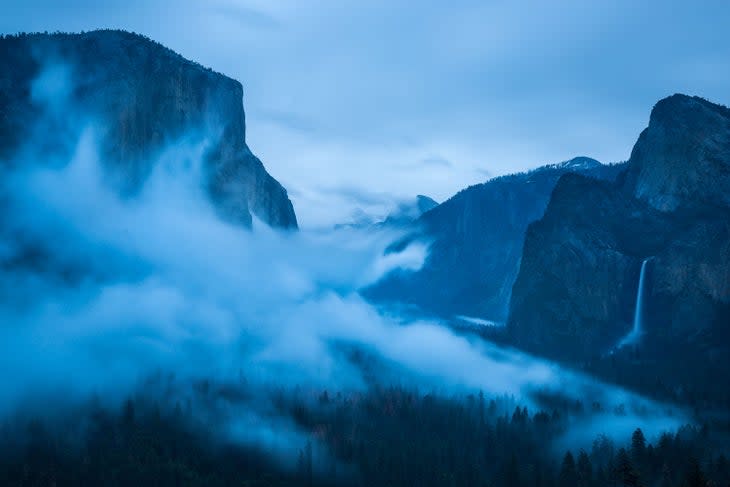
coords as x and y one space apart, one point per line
635 334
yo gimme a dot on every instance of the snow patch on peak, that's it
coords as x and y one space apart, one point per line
580 162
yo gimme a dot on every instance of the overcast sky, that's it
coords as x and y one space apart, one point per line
357 104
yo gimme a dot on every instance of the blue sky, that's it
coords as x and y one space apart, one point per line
357 104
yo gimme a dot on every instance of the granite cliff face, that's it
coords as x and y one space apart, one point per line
144 96
476 244
683 158
575 295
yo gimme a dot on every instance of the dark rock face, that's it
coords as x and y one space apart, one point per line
476 244
145 96
683 158
575 294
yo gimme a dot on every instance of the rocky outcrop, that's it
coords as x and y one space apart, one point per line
683 158
575 295
476 240
144 96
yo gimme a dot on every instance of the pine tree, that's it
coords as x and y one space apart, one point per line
602 451
694 476
481 408
128 413
638 447
585 469
666 477
568 473
511 472
625 472
305 464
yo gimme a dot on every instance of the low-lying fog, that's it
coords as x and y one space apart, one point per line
99 292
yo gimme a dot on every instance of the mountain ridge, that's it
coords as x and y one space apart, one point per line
476 239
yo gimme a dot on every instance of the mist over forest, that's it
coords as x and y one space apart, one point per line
168 320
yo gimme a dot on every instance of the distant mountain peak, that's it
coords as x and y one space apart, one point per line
410 210
405 213
580 162
425 203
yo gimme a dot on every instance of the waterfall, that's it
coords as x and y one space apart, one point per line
635 334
